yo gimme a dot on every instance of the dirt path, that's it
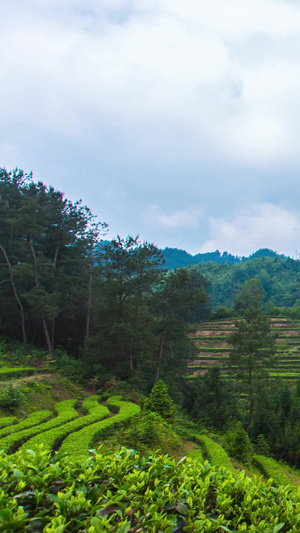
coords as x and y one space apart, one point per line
36 377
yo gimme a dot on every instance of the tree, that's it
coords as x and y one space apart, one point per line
47 241
128 273
159 401
249 296
182 292
253 348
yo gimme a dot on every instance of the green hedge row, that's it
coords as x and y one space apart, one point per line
65 411
216 454
196 455
7 421
51 439
271 469
80 442
13 372
32 420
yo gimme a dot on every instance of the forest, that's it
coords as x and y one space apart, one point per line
181 359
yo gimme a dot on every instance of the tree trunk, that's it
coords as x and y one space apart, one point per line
36 281
161 348
251 411
89 300
17 298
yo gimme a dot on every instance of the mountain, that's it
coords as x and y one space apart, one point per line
176 258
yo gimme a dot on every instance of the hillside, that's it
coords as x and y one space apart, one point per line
213 349
176 258
78 489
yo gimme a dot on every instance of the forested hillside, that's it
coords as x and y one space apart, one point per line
279 277
113 306
176 258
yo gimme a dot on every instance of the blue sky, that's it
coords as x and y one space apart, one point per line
177 121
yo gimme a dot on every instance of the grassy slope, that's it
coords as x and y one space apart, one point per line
44 391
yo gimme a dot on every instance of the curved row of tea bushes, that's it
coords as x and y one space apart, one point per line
123 492
7 421
216 454
7 372
80 442
65 411
271 469
32 420
196 455
51 439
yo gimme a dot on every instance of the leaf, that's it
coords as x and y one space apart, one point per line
278 527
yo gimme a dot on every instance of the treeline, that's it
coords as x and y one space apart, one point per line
113 305
278 277
176 258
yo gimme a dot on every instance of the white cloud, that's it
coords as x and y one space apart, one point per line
266 226
170 67
180 219
190 96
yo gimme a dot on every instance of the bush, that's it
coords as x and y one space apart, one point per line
216 454
159 401
7 372
65 411
238 444
271 469
79 443
11 398
150 430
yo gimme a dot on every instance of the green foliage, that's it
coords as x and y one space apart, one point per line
261 445
11 397
65 411
80 442
52 438
32 420
159 401
7 421
238 444
123 492
214 399
150 431
15 372
253 349
249 297
214 451
271 469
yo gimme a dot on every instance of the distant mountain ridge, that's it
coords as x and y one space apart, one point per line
176 258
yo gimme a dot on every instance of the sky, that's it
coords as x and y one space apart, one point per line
177 120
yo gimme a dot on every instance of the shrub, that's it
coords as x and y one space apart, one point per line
65 411
7 372
124 492
7 421
238 444
216 454
32 420
159 401
150 430
79 443
271 469
52 438
11 397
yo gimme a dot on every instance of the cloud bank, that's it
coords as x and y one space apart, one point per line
190 107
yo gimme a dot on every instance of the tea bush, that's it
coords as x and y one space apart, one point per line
124 492
65 411
79 443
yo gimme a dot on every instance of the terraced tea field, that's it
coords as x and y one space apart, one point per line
75 429
213 349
